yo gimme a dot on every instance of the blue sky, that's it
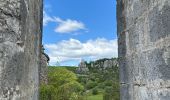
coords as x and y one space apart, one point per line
79 29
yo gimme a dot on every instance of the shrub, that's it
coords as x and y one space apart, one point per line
95 91
111 94
91 84
101 86
108 83
47 92
62 85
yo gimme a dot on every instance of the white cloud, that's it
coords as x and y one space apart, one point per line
63 26
68 26
46 18
69 50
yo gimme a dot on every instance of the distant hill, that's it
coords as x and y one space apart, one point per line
70 68
98 65
99 78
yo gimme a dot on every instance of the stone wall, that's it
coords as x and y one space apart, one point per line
44 67
20 43
144 49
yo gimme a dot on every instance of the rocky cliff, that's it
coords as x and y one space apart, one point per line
43 71
144 49
82 68
20 43
101 65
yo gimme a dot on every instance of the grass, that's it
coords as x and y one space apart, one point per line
95 97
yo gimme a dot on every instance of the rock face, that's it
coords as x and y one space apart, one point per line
20 43
44 67
100 65
82 68
144 49
103 64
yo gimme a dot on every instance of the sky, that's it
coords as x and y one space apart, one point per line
75 30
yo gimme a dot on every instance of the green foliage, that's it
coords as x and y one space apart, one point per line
47 92
62 85
105 81
108 83
65 84
101 86
112 92
70 68
95 91
83 79
95 97
91 84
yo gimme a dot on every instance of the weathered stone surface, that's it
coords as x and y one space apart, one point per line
82 68
144 49
20 43
101 65
44 67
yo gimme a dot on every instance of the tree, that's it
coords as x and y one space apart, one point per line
62 85
95 91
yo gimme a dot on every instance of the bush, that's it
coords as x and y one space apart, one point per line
101 86
111 94
47 92
82 79
95 91
108 83
62 85
91 84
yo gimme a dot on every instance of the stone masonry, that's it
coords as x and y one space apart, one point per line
144 49
20 43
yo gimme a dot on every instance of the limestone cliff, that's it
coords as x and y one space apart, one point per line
20 43
144 49
82 68
101 65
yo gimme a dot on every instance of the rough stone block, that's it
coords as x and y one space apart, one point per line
144 49
20 43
